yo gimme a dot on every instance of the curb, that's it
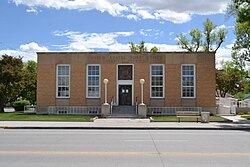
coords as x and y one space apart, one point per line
4 127
132 128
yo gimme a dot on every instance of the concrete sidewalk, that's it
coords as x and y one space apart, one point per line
123 124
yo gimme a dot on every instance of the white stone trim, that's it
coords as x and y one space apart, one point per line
124 82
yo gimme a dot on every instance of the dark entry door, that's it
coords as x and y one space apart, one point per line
125 95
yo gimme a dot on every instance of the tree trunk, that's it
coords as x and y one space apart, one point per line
1 107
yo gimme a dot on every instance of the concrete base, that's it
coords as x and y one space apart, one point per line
105 110
205 117
142 110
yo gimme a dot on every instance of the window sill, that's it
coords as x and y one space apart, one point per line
62 97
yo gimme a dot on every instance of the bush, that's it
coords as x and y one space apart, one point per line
19 105
248 113
241 113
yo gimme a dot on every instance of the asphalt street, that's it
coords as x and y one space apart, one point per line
115 148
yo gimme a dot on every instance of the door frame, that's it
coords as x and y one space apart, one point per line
124 82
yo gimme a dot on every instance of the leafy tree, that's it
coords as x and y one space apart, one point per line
211 37
133 47
141 47
230 79
10 79
29 81
241 10
154 49
195 43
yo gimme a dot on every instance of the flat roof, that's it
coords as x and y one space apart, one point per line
68 52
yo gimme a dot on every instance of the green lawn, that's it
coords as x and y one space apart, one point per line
20 116
174 119
246 116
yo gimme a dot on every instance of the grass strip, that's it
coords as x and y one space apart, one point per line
174 119
21 116
246 116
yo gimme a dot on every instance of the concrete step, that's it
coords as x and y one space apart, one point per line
123 116
123 110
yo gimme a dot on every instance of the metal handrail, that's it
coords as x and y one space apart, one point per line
111 105
136 105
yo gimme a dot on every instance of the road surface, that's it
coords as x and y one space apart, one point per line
124 148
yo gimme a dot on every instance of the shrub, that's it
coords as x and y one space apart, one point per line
19 105
241 113
248 113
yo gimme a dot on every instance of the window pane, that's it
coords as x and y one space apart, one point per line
93 91
187 70
157 70
66 70
63 77
93 81
187 91
63 81
157 81
188 80
157 91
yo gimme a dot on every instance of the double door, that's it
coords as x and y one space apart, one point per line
125 95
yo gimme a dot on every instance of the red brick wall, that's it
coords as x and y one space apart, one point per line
205 77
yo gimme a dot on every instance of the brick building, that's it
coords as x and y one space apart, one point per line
74 80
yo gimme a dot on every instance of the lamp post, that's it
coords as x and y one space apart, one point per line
105 81
142 81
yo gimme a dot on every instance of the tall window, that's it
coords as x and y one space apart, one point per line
157 81
93 81
63 81
188 81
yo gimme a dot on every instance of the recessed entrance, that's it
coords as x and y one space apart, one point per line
125 84
125 95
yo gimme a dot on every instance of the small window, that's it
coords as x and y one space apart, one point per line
93 81
188 81
125 72
157 81
63 81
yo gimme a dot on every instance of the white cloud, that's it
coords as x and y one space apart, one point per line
25 55
163 10
223 53
132 17
144 14
114 9
91 41
33 10
108 41
172 16
223 26
151 33
26 51
32 47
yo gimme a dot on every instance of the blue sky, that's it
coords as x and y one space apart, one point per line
28 26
